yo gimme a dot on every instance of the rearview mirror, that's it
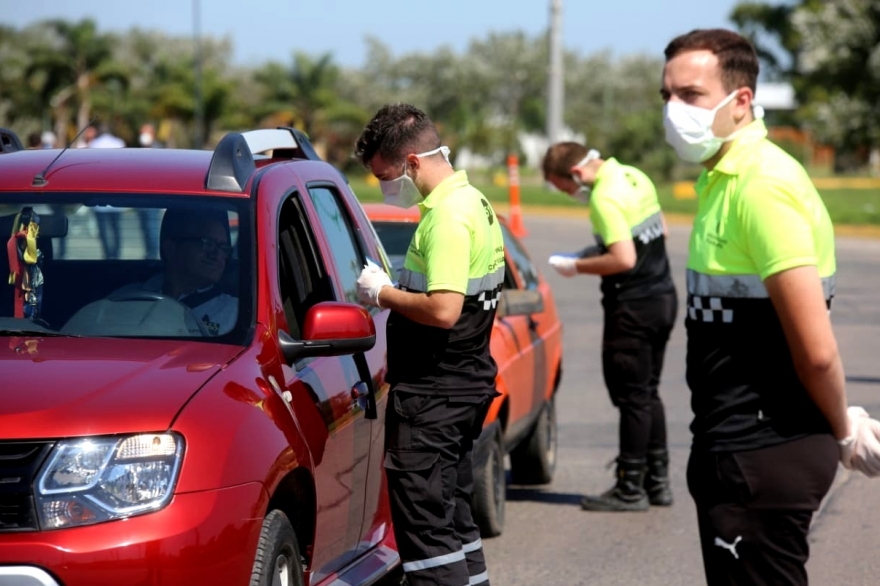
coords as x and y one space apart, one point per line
520 302
331 329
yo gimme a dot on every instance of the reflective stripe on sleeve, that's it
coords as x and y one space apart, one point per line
739 286
413 281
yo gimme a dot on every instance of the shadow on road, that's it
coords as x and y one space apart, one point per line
540 496
868 380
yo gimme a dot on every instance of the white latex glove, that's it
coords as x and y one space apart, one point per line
866 448
370 282
856 416
564 265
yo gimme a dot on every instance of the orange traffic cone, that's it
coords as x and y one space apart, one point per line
515 220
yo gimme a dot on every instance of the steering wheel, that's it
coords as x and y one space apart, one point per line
156 297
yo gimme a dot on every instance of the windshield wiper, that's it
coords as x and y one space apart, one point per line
35 332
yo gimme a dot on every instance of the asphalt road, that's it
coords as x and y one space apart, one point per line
549 540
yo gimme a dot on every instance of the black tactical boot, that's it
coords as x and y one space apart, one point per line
627 495
657 479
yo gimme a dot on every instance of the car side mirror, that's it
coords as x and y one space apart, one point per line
331 329
520 302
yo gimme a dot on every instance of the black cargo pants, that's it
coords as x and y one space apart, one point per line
754 509
633 347
429 444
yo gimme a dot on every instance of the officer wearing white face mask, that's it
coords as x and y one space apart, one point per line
441 373
770 412
639 302
402 192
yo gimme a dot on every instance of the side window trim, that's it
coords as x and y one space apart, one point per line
338 234
299 261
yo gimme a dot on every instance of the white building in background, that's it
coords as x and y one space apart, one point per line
775 96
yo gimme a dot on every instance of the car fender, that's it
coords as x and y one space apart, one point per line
240 428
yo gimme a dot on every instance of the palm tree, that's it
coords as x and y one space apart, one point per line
77 63
307 95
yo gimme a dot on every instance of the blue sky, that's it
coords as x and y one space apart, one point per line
274 29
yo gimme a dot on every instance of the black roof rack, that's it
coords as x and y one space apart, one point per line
9 141
233 160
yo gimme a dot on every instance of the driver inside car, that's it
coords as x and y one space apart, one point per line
195 247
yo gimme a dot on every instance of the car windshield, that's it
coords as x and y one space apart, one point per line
120 265
395 238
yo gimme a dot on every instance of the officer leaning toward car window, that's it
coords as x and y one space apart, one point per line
640 304
763 366
441 373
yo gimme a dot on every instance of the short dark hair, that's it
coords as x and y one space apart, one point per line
561 157
736 54
393 130
34 140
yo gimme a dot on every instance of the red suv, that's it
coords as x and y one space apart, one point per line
231 434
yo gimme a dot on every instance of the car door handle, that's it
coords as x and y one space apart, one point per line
359 390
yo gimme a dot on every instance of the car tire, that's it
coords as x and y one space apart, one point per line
533 461
278 560
490 489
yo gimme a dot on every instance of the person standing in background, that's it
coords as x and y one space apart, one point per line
149 217
639 303
107 217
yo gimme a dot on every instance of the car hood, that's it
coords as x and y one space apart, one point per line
57 387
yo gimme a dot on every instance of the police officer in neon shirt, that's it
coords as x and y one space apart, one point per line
441 373
770 419
639 302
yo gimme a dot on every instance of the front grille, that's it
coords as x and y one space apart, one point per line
19 462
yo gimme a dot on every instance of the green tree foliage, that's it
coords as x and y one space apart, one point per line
72 67
832 51
483 98
617 106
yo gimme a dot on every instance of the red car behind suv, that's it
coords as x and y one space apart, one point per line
143 441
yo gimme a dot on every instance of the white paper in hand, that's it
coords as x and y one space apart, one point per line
371 264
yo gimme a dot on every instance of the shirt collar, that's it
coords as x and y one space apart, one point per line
741 146
452 183
609 167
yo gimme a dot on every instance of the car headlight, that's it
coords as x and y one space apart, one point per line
90 480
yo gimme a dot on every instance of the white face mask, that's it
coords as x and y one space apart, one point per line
689 129
583 193
402 192
146 139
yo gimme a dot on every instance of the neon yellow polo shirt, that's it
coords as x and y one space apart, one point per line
624 206
457 246
759 214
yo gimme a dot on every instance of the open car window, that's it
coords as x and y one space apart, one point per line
522 263
120 265
395 238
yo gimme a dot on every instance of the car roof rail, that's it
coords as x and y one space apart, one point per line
233 161
9 141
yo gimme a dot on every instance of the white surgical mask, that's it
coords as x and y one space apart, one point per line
583 193
689 129
402 192
146 139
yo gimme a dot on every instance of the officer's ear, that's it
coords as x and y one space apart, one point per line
412 161
742 103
